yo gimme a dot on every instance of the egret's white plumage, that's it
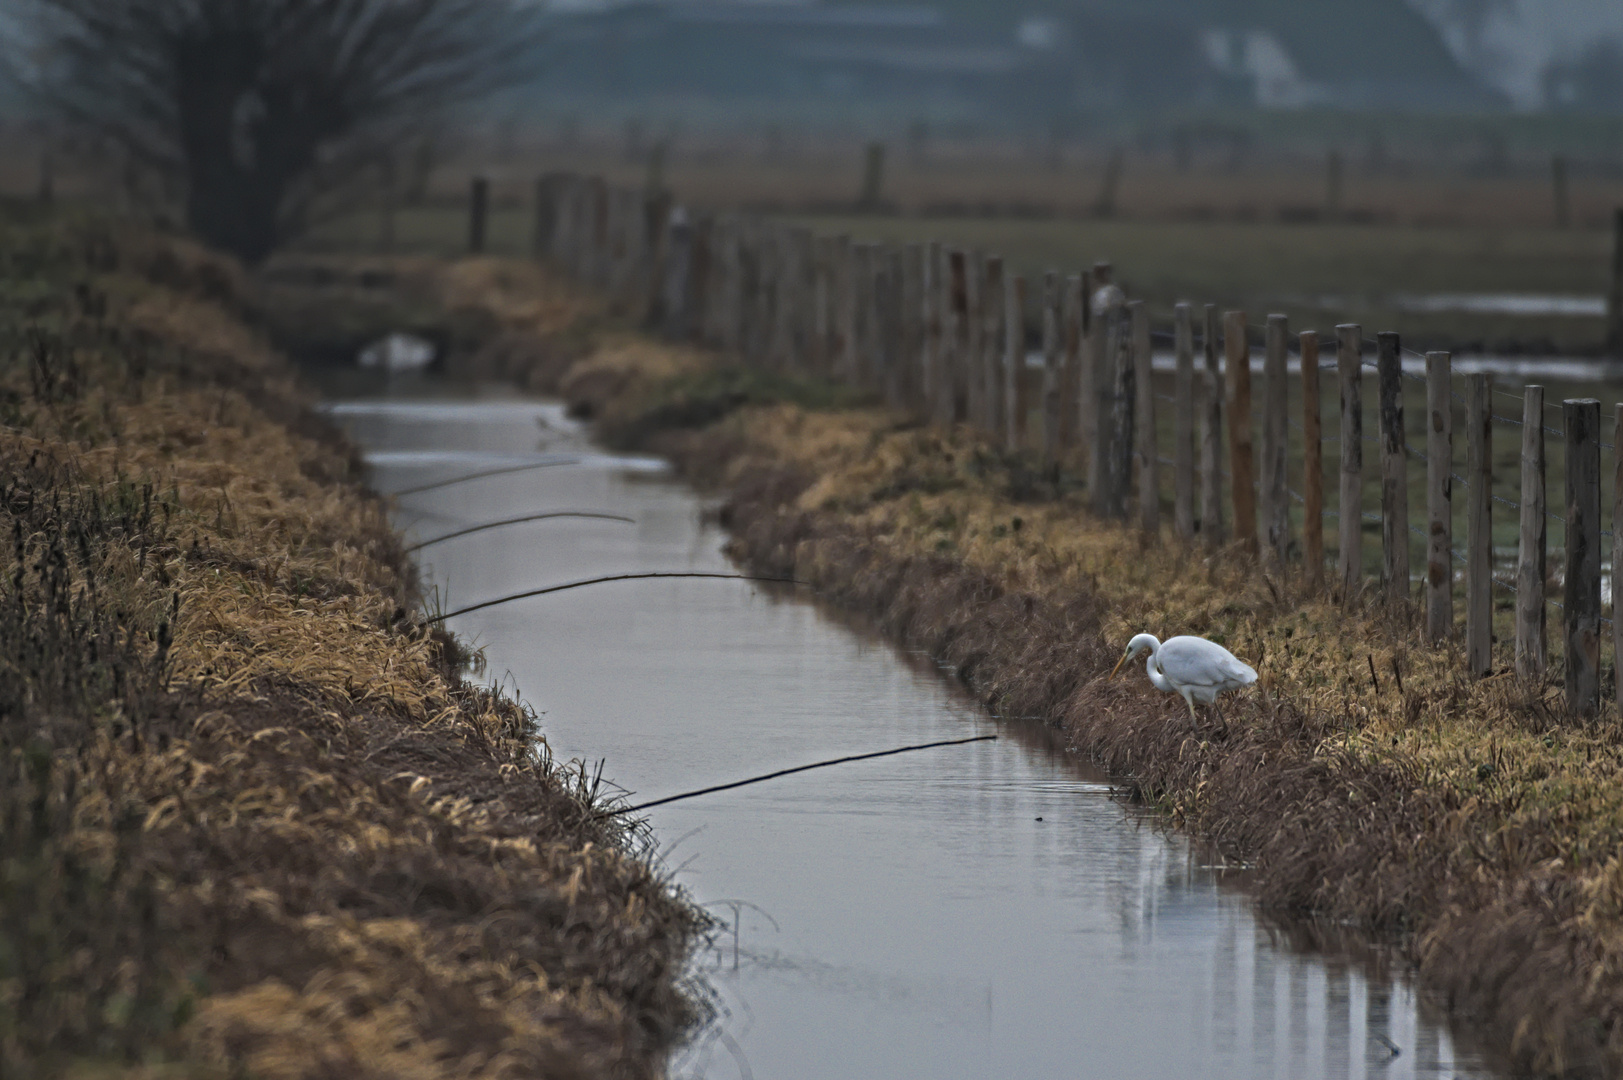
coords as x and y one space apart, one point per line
1192 667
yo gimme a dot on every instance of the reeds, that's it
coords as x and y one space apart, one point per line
251 815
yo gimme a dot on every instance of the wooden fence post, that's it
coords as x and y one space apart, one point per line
993 343
1617 545
1243 492
1275 441
1053 357
950 405
478 211
1581 422
844 350
1312 462
1149 490
1016 399
865 316
1394 471
1479 526
1211 435
1349 366
1107 378
675 307
1073 305
1532 642
909 370
1183 424
1439 498
930 352
971 382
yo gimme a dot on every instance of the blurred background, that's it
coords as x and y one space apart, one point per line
1447 168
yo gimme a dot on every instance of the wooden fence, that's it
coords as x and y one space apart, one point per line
941 333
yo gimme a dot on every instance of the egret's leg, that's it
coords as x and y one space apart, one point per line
1189 700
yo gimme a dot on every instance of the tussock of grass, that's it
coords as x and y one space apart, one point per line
252 820
1473 818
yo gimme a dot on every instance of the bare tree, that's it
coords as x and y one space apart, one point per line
262 109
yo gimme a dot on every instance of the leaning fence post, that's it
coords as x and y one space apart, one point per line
1149 494
1243 492
1349 366
1394 471
1312 462
478 210
1439 498
1617 544
1275 441
1211 435
1016 400
1183 424
1581 422
1532 643
1479 526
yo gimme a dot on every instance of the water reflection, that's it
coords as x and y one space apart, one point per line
985 910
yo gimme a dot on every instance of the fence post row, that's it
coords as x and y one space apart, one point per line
941 333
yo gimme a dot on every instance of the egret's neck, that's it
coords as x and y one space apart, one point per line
1157 680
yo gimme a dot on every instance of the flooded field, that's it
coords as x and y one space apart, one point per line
974 911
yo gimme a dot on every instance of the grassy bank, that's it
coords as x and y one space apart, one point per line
1365 779
253 821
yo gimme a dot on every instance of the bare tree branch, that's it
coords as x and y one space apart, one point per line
261 108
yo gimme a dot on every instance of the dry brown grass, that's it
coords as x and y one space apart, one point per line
252 819
1474 819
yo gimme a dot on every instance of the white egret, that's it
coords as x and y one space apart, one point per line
1193 667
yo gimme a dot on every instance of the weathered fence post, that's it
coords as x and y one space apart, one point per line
1275 441
843 353
1053 357
1116 423
1016 400
1617 545
1183 423
1312 462
993 342
478 211
910 371
675 309
865 372
930 353
950 406
1532 642
1073 308
1439 498
1243 492
1211 435
1394 471
1581 422
1349 366
893 314
1479 526
971 383
1149 491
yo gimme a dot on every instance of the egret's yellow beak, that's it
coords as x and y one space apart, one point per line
1119 663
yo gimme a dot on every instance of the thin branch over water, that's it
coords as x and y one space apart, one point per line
796 769
481 475
520 521
601 580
